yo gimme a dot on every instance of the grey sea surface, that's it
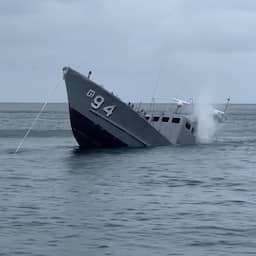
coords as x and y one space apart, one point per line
58 200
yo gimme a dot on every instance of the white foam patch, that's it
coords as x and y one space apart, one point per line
206 126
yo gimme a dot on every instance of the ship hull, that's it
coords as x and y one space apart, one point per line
99 119
90 135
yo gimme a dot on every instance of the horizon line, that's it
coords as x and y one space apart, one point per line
62 102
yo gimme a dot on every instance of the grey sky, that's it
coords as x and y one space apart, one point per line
199 46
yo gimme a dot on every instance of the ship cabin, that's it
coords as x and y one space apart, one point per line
177 128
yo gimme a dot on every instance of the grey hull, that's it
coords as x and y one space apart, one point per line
100 119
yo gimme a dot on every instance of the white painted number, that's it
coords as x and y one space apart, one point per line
97 102
109 110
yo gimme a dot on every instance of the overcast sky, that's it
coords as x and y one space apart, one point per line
194 47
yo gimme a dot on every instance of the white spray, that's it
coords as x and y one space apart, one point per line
206 126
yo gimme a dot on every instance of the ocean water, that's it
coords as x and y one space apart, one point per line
58 200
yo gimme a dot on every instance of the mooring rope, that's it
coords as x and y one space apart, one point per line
36 118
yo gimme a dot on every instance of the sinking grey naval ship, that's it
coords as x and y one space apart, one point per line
99 119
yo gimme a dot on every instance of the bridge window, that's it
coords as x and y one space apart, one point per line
188 125
165 119
147 117
156 118
176 120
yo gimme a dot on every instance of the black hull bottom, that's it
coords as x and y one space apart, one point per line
90 135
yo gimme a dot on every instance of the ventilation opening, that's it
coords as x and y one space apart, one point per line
165 119
176 120
188 125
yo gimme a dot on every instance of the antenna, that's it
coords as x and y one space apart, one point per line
152 103
227 105
159 72
89 74
156 83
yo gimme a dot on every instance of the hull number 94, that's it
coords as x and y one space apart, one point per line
98 103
